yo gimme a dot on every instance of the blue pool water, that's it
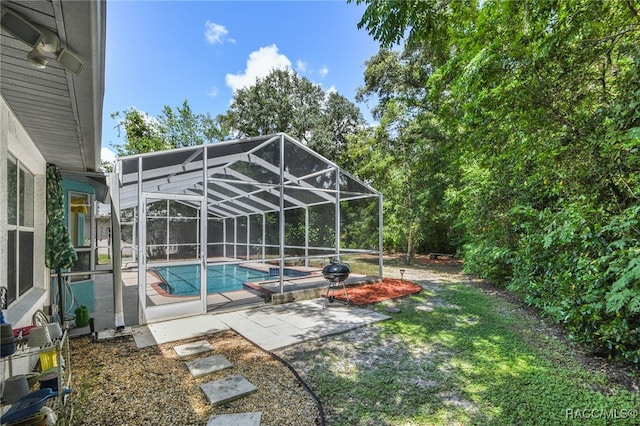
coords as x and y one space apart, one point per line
184 280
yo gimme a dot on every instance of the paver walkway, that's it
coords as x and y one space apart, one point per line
220 391
240 419
202 366
270 327
228 389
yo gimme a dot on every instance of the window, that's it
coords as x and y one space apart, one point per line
20 191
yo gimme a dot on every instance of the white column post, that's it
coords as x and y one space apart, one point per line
142 255
281 222
337 214
380 236
116 254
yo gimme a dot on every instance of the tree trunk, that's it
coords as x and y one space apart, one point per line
409 257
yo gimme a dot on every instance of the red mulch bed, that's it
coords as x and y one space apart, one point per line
389 288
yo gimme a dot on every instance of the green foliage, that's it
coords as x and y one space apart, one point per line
285 102
140 131
533 118
170 129
280 102
106 166
183 127
393 155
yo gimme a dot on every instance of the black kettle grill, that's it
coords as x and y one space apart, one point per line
336 273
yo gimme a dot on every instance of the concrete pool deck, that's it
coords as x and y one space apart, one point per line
270 327
294 288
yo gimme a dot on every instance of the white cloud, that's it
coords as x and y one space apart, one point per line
260 63
301 66
107 155
323 71
213 92
215 33
331 89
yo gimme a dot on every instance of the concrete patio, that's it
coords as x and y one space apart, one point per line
270 326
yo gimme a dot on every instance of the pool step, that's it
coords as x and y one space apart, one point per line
228 389
233 301
210 364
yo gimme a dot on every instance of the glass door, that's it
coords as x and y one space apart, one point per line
172 263
80 216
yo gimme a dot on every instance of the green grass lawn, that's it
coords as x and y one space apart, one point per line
455 355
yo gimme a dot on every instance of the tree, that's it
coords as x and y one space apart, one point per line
183 127
170 129
280 102
141 133
106 166
407 138
285 102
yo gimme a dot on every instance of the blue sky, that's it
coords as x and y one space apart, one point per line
162 52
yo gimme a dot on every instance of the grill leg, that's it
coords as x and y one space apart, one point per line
346 295
326 296
333 287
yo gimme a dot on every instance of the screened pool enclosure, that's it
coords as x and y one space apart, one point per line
261 215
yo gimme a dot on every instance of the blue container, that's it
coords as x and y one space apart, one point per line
28 405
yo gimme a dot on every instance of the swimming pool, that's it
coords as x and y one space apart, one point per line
184 280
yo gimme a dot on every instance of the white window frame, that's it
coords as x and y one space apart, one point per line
20 229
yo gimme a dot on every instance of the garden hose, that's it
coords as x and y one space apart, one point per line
306 387
68 292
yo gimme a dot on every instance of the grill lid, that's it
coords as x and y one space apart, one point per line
336 271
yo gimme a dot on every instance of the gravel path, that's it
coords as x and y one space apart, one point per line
116 383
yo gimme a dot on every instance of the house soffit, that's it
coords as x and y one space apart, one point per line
60 111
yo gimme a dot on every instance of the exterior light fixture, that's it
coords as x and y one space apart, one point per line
70 61
401 274
40 40
19 27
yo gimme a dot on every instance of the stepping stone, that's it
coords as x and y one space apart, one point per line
114 333
193 348
228 389
203 366
240 419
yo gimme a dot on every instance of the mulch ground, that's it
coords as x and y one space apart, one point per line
389 288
